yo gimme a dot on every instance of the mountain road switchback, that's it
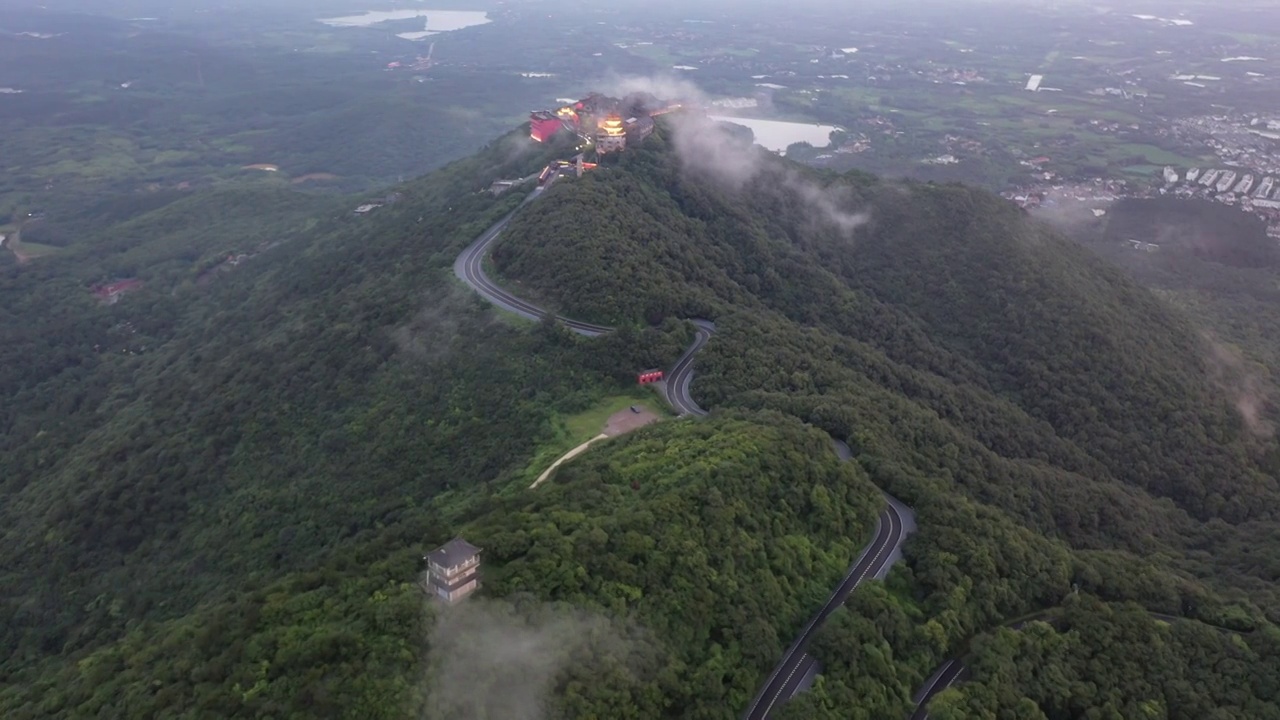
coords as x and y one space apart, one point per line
797 668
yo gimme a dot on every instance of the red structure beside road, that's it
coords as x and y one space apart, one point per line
649 376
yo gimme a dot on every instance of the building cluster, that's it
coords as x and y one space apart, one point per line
1240 140
955 76
608 123
736 103
1248 176
1095 194
1254 193
1124 93
1226 181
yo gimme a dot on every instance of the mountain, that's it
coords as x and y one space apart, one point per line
218 490
1011 335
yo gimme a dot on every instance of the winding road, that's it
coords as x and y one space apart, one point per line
677 382
469 267
896 520
797 666
954 671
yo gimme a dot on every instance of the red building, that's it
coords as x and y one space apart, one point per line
544 125
649 376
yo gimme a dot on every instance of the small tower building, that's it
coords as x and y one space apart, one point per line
453 570
611 135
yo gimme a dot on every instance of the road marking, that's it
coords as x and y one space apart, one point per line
950 682
890 541
790 675
945 667
874 560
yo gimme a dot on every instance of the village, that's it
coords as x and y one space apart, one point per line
1247 175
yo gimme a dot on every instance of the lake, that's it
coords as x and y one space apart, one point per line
437 21
776 135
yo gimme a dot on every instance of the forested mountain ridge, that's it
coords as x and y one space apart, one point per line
157 451
232 522
961 348
946 280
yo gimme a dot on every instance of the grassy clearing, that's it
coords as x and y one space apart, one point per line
1142 170
588 423
36 250
734 51
569 431
28 250
1153 155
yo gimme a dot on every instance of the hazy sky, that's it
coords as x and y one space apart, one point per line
1234 12
692 6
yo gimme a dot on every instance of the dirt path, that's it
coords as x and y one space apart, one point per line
621 422
14 242
565 458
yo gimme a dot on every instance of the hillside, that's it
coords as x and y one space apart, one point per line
962 349
195 440
229 522
665 528
1061 358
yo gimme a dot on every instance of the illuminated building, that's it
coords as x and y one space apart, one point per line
600 119
611 135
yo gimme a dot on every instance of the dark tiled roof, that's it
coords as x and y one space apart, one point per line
454 552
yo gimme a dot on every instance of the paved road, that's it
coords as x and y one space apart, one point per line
469 267
896 521
954 671
944 677
682 372
785 680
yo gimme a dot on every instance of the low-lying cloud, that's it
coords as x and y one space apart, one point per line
706 148
500 660
431 334
1245 389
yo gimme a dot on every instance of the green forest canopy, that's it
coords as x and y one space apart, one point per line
230 521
